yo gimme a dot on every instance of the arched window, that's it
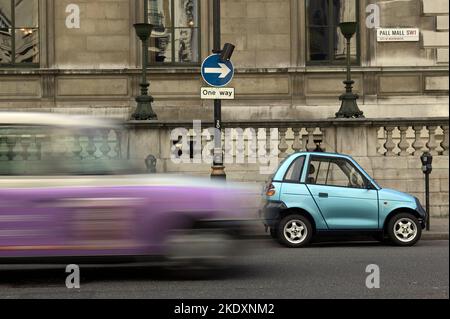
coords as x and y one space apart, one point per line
325 42
175 37
19 32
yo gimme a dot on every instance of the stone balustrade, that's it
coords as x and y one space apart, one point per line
31 144
366 137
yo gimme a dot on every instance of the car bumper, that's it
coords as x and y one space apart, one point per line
422 213
270 213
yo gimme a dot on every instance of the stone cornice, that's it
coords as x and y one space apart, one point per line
196 70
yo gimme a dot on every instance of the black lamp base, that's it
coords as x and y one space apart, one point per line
349 107
144 110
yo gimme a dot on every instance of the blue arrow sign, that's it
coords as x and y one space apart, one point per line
216 72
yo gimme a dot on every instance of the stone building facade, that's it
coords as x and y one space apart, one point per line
95 68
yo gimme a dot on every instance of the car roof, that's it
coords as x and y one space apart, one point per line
54 119
324 154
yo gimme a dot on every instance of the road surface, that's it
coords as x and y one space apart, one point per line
321 271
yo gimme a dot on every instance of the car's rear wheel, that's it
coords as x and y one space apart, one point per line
294 231
404 230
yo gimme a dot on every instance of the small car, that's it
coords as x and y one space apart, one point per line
314 193
68 193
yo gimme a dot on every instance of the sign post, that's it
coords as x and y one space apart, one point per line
218 71
218 169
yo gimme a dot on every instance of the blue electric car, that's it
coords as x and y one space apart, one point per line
313 194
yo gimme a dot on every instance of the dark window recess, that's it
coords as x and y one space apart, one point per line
19 33
325 42
175 38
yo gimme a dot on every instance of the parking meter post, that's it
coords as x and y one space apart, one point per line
427 168
427 198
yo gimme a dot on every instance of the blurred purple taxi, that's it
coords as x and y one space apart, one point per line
65 191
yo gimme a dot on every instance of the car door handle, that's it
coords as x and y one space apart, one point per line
324 195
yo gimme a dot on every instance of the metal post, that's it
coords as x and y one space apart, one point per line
145 47
144 110
349 106
349 62
218 169
427 198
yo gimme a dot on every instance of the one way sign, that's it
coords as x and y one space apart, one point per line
216 72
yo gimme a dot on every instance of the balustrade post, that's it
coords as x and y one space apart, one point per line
445 141
403 145
389 145
297 143
432 144
418 143
311 145
282 146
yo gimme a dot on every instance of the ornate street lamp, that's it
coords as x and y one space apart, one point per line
349 107
144 101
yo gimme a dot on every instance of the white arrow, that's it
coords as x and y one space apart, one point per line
224 70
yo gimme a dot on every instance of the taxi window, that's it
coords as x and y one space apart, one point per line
45 150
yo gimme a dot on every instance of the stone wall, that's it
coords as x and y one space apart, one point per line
103 39
95 69
260 30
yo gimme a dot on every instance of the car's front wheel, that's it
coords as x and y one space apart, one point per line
404 230
294 231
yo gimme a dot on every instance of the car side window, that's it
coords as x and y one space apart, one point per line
294 172
317 171
337 176
334 172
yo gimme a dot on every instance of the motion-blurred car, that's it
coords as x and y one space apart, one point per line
322 193
66 192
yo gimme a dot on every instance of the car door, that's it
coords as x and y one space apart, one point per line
295 194
341 193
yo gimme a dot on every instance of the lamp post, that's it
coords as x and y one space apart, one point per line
427 168
144 110
349 107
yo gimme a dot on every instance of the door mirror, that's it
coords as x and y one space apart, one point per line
369 186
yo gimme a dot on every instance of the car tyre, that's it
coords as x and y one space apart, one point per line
294 231
404 230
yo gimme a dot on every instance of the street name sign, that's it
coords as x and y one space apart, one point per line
208 93
398 35
215 72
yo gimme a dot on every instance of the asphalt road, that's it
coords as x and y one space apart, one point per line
321 271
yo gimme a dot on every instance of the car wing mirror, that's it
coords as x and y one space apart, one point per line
369 186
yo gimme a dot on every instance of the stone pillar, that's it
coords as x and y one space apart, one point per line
352 139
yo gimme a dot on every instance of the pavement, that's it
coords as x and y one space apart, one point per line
266 271
439 230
